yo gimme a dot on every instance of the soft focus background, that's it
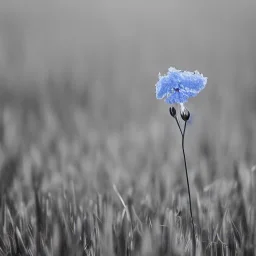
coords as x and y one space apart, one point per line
77 92
109 55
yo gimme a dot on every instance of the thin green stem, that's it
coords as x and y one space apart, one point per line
189 196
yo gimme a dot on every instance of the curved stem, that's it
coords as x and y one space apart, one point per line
178 123
189 196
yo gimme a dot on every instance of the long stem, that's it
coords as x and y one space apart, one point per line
189 196
177 121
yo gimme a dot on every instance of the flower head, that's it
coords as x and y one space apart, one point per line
178 86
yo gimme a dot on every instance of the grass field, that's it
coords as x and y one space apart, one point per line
91 162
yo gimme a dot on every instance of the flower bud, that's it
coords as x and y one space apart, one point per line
172 111
185 114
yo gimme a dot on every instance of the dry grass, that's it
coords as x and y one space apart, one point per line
78 191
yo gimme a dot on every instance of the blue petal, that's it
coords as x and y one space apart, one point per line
189 93
193 81
176 97
165 85
161 89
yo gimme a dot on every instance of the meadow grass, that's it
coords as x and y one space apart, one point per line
72 190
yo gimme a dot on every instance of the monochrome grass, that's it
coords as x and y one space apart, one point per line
91 163
61 195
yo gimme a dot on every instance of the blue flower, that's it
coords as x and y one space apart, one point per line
178 86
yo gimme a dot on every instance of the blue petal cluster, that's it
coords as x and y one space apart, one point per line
178 86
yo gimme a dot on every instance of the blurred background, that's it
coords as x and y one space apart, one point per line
78 78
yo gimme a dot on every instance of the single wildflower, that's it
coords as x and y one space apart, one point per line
178 86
